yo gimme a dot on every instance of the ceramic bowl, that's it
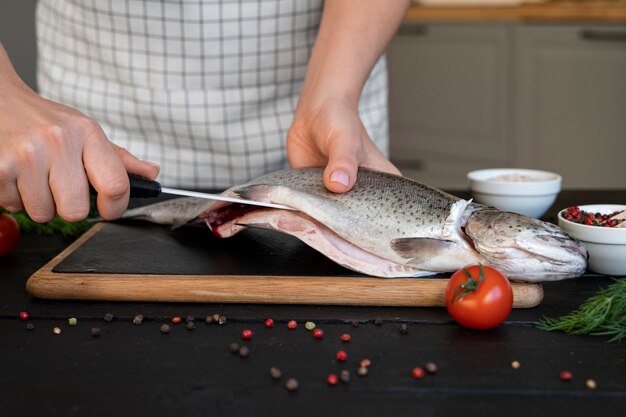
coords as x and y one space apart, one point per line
526 191
606 246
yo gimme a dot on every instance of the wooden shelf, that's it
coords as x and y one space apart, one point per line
601 11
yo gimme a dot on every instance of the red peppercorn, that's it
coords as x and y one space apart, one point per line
566 376
246 334
269 323
345 337
365 363
176 319
318 333
332 379
342 356
292 324
23 315
417 373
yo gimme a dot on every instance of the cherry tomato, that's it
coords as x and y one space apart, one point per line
9 234
481 300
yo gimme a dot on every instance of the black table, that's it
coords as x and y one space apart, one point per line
137 370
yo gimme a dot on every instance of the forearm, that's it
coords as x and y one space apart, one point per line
351 38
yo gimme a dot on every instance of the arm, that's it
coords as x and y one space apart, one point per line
326 129
49 153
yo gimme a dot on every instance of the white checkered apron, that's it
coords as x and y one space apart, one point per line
206 89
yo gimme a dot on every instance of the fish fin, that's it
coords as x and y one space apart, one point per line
419 249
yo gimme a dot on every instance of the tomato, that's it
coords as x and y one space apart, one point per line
9 234
479 303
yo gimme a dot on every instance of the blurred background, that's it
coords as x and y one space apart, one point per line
483 84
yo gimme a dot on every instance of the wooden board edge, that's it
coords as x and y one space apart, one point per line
316 290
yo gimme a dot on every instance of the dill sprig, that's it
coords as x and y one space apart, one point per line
604 314
57 225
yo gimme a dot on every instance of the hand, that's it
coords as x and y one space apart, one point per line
48 155
334 136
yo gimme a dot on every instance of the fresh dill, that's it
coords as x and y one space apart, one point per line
604 314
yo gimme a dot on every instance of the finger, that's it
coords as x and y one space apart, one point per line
343 161
70 189
9 196
32 185
107 174
135 165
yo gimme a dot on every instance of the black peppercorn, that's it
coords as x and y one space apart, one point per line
378 321
344 376
233 347
292 384
190 319
216 318
138 319
95 331
108 317
209 319
431 367
30 326
355 323
244 351
190 325
404 329
275 373
221 320
165 328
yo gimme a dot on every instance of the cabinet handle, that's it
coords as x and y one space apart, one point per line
603 35
412 29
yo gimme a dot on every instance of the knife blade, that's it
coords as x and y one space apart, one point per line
144 188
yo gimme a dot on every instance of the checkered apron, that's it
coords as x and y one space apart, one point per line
206 89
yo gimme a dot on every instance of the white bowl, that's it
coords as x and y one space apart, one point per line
525 191
606 246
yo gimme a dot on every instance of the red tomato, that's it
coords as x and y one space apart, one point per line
479 303
9 234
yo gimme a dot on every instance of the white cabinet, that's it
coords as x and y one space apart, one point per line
470 96
570 106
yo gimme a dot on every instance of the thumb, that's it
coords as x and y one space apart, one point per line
341 170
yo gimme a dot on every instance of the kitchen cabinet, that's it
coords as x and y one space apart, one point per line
466 96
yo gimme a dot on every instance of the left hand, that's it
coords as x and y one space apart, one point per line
333 135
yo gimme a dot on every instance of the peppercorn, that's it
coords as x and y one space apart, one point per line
269 323
165 328
332 379
72 321
292 384
221 320
341 356
431 367
515 364
355 323
591 384
138 319
190 325
244 351
56 330
233 347
23 315
318 333
30 326
108 317
246 334
292 324
176 319
275 373
566 376
309 325
404 329
417 373
95 332
378 321
189 319
365 363
216 318
209 320
344 376
362 371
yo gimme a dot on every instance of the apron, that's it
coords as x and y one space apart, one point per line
206 89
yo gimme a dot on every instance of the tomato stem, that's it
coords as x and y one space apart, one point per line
468 286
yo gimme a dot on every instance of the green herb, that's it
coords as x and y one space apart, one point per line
604 314
56 225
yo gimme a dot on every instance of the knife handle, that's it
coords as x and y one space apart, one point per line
140 187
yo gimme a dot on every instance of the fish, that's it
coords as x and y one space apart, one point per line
387 226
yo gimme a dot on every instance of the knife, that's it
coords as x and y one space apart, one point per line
144 188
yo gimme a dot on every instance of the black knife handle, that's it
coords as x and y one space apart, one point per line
140 187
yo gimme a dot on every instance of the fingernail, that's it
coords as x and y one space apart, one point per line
152 164
340 177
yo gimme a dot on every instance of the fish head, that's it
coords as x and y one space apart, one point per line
524 248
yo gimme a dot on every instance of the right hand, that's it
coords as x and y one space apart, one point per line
49 153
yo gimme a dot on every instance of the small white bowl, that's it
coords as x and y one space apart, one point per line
525 191
606 246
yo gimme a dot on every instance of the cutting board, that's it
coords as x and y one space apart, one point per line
137 261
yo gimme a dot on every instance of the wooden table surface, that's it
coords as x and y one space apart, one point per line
137 370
